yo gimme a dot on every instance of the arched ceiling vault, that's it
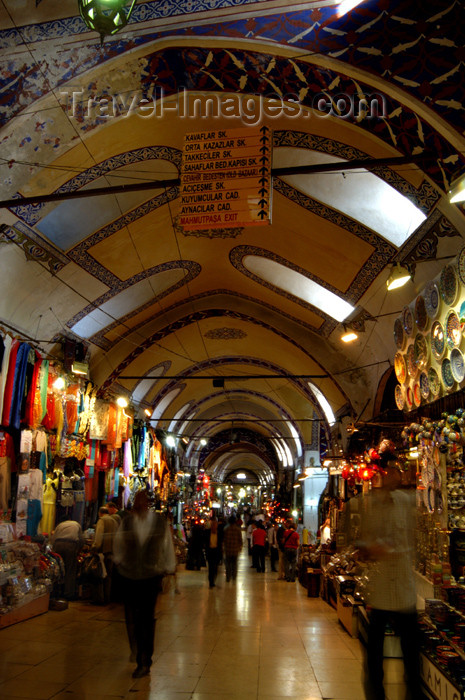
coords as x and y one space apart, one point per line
158 305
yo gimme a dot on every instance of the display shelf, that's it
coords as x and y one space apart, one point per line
437 683
35 607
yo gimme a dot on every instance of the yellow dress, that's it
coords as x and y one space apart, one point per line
47 524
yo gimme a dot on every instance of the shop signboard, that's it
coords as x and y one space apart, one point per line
435 681
225 179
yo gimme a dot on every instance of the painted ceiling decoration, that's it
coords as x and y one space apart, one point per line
164 310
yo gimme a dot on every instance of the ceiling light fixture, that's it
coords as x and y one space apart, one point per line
346 6
107 17
457 192
348 335
59 383
399 276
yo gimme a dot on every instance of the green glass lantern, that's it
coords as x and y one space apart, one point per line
107 17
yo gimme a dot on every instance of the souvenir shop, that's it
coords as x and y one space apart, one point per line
428 443
63 452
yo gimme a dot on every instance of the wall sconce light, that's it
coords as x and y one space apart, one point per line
122 402
107 17
147 412
349 335
80 368
399 276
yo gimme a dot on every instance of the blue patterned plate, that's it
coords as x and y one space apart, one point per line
446 374
399 337
453 330
438 340
432 299
457 365
407 320
448 284
424 385
433 381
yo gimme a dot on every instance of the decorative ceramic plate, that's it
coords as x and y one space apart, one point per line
412 368
433 381
448 284
446 374
457 365
400 367
420 352
438 341
399 337
419 312
424 385
462 312
432 299
407 320
453 330
409 399
416 394
399 396
461 265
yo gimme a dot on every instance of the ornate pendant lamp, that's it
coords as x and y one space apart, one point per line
107 17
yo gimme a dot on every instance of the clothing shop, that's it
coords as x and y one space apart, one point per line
63 453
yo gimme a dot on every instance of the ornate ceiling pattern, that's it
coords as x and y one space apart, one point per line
158 305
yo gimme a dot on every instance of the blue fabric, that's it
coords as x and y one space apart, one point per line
18 385
43 466
34 516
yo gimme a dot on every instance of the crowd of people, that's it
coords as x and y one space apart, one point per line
131 552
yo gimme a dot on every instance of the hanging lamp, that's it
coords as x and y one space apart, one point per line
107 17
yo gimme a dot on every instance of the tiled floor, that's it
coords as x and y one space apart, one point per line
258 639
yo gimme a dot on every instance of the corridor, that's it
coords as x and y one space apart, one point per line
259 639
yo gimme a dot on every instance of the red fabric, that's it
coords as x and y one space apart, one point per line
29 413
8 391
49 420
259 536
291 539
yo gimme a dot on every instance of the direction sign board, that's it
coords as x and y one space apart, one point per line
226 179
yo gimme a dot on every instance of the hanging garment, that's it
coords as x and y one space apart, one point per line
18 385
7 343
43 388
33 408
47 524
8 391
7 456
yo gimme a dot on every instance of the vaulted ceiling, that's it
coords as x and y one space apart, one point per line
161 306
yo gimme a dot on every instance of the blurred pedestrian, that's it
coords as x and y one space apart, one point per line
67 541
143 553
105 530
291 543
258 546
386 544
272 545
213 550
232 542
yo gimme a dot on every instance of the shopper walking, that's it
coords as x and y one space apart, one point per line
258 546
232 543
272 545
143 553
67 541
279 538
105 531
387 526
213 549
291 542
